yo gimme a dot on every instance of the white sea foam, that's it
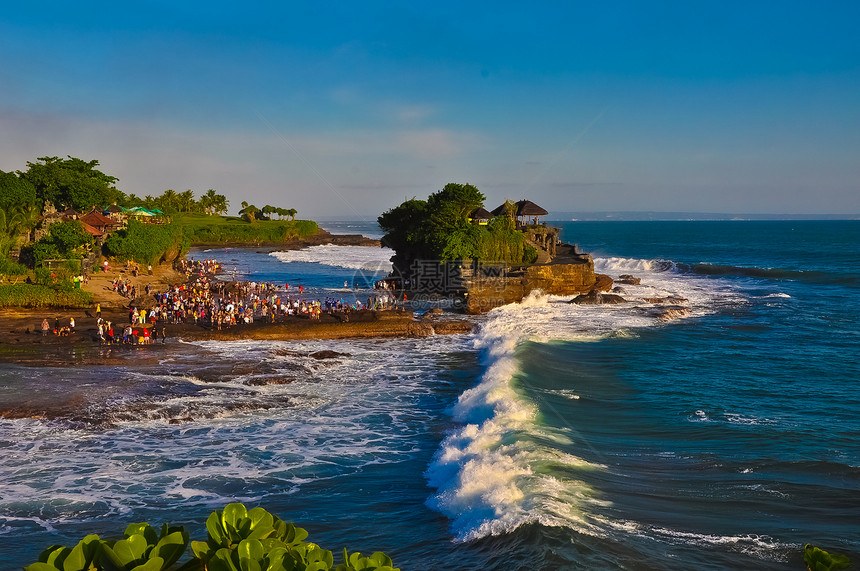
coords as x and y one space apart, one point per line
244 442
368 258
615 265
485 473
762 546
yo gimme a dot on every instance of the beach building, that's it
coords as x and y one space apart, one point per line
480 216
100 222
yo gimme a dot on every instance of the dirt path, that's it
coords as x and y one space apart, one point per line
100 284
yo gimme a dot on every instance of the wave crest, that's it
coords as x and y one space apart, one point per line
351 257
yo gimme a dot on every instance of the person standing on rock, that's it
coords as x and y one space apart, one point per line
45 327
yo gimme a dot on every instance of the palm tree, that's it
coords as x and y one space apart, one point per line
16 221
221 203
185 200
208 200
168 198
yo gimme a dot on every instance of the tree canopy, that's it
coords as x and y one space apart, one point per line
15 191
439 228
71 183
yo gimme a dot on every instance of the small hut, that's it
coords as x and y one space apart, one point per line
500 210
528 210
99 221
116 213
480 215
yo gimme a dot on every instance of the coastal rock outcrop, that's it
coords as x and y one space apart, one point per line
627 279
594 297
483 293
670 313
672 300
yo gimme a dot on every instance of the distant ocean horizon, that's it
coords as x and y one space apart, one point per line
724 435
643 215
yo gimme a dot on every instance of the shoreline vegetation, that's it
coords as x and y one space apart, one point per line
60 256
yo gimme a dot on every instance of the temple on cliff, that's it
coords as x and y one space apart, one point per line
479 286
558 270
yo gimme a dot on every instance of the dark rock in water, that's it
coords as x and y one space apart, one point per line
672 300
453 326
180 420
320 355
628 279
287 353
252 369
603 283
270 381
419 329
670 312
618 289
594 297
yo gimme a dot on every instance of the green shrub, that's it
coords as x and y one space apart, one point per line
34 254
10 268
147 243
819 560
237 539
39 296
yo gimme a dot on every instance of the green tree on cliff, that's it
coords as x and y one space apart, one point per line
436 228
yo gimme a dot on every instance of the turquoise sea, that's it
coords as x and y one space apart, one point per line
724 435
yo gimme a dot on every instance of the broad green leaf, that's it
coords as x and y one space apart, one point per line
270 544
56 557
130 550
259 516
50 554
295 535
216 530
143 529
250 553
320 555
82 554
232 514
154 564
171 547
40 566
202 550
819 560
280 527
222 561
382 559
262 524
108 559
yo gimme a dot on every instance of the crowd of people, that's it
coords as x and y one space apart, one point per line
206 301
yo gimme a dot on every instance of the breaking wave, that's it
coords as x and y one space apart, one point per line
367 258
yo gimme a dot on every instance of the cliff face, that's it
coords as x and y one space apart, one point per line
485 293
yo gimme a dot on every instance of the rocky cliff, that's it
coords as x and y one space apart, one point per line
483 293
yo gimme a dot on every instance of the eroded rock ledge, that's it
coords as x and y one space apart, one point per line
369 324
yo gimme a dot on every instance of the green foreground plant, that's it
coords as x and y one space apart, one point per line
237 540
819 560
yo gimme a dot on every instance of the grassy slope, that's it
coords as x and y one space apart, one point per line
204 229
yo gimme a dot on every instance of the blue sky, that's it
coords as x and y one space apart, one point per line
346 109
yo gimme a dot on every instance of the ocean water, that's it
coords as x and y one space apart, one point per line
722 434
